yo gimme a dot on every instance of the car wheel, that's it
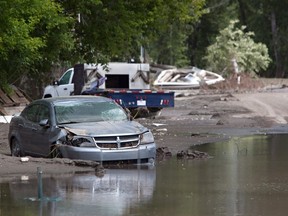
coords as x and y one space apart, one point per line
16 148
55 152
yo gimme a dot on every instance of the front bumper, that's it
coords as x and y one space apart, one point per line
95 154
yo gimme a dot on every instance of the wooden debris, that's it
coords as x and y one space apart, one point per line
12 102
5 99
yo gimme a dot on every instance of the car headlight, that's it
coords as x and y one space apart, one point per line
80 141
146 138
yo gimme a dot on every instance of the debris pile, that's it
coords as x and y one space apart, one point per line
192 154
163 153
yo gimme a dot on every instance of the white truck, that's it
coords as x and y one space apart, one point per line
126 83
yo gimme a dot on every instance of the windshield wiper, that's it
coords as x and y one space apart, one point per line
70 122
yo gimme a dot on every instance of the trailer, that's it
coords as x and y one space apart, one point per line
126 83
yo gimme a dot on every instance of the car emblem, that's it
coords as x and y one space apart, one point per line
118 142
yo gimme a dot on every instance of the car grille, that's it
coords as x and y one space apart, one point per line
117 142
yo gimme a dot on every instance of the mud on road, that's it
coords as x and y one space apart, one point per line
207 118
197 118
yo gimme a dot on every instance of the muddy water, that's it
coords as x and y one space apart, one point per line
245 176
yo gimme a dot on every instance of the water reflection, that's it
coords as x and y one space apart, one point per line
83 194
111 194
245 176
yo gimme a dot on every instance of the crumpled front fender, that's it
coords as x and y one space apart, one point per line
60 136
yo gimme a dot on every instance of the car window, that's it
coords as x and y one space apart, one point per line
36 113
87 111
65 78
43 113
30 113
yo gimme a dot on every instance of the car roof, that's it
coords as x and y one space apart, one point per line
74 98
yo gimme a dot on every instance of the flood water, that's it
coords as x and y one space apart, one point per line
245 176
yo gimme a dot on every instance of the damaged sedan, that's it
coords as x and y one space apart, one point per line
80 127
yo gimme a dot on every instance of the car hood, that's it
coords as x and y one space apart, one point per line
107 128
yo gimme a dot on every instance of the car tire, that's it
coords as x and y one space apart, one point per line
47 96
16 148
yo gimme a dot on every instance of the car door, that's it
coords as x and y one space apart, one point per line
26 130
40 144
35 138
66 87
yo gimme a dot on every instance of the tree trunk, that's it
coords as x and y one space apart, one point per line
242 13
278 73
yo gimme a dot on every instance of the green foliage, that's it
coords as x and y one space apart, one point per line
36 35
117 29
268 20
216 17
234 43
7 89
32 34
173 24
107 29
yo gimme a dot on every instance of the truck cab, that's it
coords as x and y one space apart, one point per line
126 83
61 87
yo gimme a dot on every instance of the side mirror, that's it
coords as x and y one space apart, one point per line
44 123
55 82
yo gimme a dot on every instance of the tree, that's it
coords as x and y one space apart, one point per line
268 20
217 15
235 44
106 29
174 23
33 35
117 29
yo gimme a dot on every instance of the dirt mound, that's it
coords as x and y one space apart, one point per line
245 83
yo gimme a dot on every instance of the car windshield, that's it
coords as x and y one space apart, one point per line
88 111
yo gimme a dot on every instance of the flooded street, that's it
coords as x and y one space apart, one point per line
244 176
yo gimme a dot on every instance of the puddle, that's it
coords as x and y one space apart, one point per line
245 176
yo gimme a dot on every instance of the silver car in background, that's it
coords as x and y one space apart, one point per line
80 127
